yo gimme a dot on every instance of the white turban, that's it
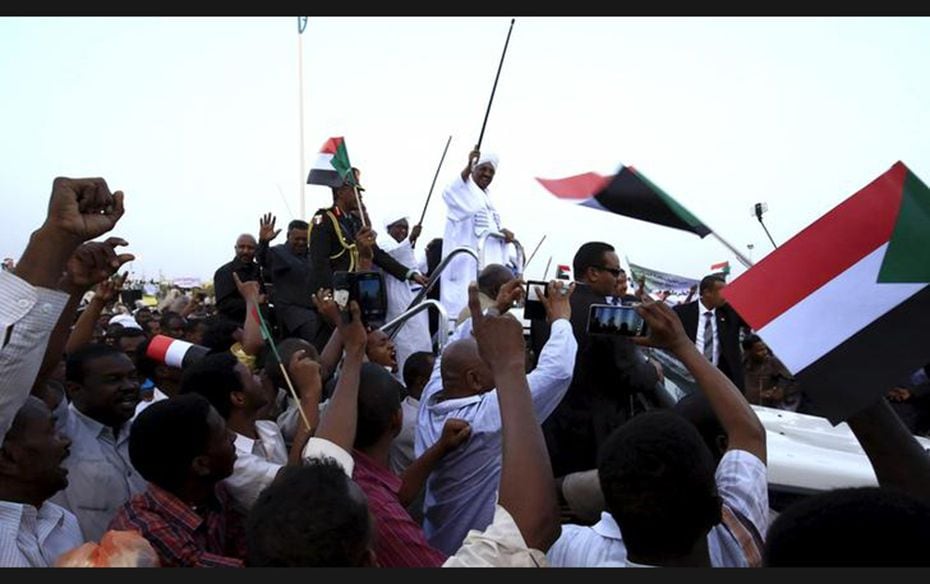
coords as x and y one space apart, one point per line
394 218
125 321
488 158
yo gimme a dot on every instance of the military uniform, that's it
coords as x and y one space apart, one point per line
333 249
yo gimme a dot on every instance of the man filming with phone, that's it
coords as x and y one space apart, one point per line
609 370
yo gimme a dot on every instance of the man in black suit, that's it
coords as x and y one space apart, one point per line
714 327
288 267
609 371
229 302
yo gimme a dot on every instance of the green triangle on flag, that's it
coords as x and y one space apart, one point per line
907 259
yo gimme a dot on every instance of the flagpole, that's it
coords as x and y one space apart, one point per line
430 194
301 26
532 255
742 259
547 268
494 89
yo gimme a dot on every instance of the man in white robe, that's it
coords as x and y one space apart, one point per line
414 335
470 214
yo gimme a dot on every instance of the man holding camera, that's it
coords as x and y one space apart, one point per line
609 370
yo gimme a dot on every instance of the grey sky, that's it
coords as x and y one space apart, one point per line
196 120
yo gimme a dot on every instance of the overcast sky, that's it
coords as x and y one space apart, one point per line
196 119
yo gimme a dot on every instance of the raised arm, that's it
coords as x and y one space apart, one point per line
454 433
526 490
305 374
340 419
78 210
252 341
742 426
332 352
899 461
91 264
473 157
266 233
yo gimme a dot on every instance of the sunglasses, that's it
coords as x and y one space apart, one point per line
614 271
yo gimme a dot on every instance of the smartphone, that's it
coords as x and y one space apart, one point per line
366 288
533 308
611 320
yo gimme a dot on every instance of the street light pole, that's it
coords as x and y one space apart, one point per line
301 26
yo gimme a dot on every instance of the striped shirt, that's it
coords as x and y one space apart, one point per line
27 316
181 536
31 538
401 542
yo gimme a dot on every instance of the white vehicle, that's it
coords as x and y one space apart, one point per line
806 454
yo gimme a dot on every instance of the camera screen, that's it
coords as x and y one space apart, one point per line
615 320
369 292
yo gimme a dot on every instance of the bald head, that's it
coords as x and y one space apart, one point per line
463 372
245 248
492 278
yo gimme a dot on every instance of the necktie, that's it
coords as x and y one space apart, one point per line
708 336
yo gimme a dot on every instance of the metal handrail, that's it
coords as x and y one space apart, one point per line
521 255
434 277
401 319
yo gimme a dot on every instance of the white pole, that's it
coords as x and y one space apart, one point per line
743 259
300 90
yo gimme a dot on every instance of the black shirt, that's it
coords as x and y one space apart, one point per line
229 302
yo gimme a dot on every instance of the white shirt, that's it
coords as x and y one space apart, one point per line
742 484
501 545
413 335
402 446
34 539
100 475
27 316
257 463
461 490
699 337
469 214
157 396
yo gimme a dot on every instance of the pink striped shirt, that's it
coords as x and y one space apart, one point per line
400 540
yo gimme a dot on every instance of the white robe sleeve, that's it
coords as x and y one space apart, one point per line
461 202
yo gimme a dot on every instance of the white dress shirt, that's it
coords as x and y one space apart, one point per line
257 464
699 337
31 538
462 489
157 396
27 316
402 446
100 475
742 484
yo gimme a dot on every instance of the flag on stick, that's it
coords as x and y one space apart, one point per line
332 167
845 304
627 193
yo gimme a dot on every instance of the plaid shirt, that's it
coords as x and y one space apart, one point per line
400 542
181 536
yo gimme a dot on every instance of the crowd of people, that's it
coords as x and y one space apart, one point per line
277 427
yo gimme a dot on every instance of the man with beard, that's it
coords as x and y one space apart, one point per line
229 302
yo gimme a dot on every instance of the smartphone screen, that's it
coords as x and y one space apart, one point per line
610 320
533 309
371 297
